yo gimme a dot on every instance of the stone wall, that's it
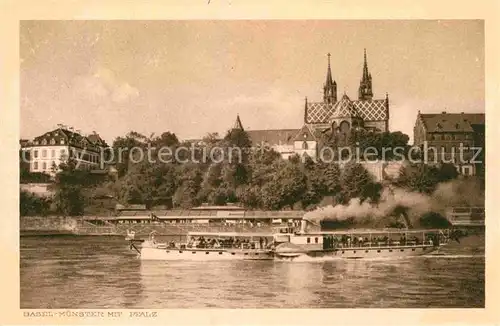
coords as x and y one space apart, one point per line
48 224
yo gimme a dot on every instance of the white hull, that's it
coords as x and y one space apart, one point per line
148 253
360 252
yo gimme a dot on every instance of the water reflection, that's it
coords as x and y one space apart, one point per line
100 272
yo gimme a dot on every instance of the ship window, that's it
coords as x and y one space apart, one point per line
194 252
256 254
390 250
343 251
354 251
315 240
232 253
378 250
220 252
246 253
402 250
206 253
308 240
180 251
413 249
366 250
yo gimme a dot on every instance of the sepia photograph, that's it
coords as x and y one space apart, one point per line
251 164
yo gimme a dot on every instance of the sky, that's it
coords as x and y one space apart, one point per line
194 77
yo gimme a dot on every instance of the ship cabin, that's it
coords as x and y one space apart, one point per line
356 238
227 240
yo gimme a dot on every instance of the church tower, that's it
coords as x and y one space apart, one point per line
365 86
237 124
330 87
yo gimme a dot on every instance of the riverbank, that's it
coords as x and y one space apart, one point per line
64 225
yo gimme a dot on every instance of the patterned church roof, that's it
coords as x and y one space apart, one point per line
368 110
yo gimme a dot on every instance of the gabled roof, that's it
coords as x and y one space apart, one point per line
304 134
345 108
272 137
452 122
69 137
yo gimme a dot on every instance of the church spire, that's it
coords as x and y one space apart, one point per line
330 87
237 123
365 86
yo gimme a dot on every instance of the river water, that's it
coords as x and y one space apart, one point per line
101 272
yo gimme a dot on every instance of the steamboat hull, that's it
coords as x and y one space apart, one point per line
359 253
204 254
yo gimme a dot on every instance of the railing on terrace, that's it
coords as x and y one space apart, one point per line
209 213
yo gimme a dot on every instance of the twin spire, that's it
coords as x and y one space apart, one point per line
365 86
330 87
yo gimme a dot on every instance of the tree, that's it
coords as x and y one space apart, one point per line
419 177
356 182
249 196
291 184
69 183
331 178
32 205
122 147
446 172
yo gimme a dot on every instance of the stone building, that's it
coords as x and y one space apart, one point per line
441 135
55 147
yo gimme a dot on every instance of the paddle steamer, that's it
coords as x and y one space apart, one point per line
288 243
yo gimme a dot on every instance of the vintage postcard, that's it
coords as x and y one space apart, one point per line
294 164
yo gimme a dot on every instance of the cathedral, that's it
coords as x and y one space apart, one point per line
331 116
344 114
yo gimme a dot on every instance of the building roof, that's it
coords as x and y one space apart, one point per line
70 138
272 137
452 122
305 134
368 110
345 108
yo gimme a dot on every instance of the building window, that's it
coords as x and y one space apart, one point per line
35 154
304 145
53 153
466 170
315 240
44 142
44 166
63 152
52 141
35 165
53 165
447 137
61 142
308 240
44 153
